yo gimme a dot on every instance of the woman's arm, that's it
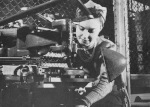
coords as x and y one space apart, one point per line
103 86
100 90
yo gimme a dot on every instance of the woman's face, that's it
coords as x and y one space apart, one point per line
87 32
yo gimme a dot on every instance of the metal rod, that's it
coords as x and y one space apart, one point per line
84 9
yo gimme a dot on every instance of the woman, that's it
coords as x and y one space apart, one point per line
91 58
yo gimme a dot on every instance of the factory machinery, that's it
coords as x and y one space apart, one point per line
33 59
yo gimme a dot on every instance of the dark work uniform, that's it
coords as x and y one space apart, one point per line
103 92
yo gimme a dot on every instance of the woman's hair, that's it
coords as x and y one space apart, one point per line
96 10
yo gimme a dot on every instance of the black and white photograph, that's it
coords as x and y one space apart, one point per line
74 53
